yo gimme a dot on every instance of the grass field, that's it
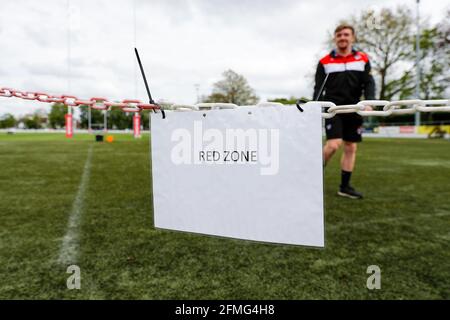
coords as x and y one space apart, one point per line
403 226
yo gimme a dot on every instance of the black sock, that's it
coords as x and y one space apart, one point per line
345 178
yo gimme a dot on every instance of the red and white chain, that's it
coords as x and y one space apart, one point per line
127 105
363 108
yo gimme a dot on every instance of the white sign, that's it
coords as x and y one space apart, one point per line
249 173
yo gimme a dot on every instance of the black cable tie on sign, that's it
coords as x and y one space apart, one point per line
150 99
160 108
300 101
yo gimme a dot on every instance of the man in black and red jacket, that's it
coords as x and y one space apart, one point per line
348 79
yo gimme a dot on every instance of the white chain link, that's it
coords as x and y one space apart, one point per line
364 108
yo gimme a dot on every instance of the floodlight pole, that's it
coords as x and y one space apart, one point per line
69 117
197 90
321 88
417 115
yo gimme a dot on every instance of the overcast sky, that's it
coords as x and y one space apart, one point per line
274 44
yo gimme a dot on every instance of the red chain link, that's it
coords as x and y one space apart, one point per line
128 105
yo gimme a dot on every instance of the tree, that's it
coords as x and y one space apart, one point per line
389 43
216 97
7 121
97 117
56 117
33 121
120 120
435 60
289 101
389 37
233 88
435 65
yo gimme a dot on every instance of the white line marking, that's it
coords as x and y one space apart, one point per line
69 246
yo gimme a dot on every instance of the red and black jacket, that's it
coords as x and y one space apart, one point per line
348 78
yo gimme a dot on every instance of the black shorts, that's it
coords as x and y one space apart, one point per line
347 126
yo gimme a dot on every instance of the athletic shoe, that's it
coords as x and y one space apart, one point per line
349 192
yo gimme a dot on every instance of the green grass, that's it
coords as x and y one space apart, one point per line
403 226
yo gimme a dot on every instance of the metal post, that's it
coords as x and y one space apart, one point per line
69 123
137 125
417 115
89 120
105 121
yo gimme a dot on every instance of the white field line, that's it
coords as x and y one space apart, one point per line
69 247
